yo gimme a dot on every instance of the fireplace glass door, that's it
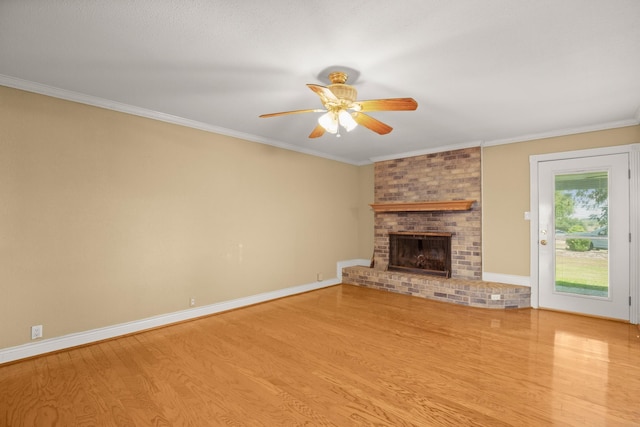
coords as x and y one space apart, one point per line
423 253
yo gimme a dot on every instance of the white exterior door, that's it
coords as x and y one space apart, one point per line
583 235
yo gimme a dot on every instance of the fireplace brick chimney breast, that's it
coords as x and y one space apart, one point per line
449 175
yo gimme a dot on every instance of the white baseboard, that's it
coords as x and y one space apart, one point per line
11 354
509 279
351 263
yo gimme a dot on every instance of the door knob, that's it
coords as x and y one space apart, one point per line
543 242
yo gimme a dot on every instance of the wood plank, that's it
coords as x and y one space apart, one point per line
341 356
432 206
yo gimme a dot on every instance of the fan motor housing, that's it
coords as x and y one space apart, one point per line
344 92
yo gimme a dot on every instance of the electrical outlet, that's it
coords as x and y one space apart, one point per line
192 302
319 277
36 332
495 297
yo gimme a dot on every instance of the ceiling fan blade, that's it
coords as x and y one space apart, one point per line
323 92
390 104
317 132
313 110
370 123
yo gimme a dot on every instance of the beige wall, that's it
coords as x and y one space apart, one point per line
107 218
506 193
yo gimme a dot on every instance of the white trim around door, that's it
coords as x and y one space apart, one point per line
634 170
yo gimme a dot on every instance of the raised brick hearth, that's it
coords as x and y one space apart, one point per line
473 293
445 176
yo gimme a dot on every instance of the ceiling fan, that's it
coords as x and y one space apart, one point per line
342 109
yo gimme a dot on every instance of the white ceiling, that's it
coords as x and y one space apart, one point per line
492 71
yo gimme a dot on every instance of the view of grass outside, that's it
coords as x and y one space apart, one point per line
582 274
581 215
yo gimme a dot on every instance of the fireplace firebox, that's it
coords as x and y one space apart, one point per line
423 253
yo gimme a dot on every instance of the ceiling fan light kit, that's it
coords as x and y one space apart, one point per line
342 109
347 121
329 122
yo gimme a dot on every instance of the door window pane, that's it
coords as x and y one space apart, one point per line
581 234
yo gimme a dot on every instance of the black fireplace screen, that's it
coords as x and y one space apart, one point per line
425 253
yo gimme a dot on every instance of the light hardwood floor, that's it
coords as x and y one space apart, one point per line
341 356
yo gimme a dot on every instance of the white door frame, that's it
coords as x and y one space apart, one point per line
634 216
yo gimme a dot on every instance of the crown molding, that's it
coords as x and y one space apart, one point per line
564 132
95 101
438 149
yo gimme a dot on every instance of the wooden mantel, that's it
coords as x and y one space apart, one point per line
446 205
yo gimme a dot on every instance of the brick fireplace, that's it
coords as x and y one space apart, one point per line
445 176
433 194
